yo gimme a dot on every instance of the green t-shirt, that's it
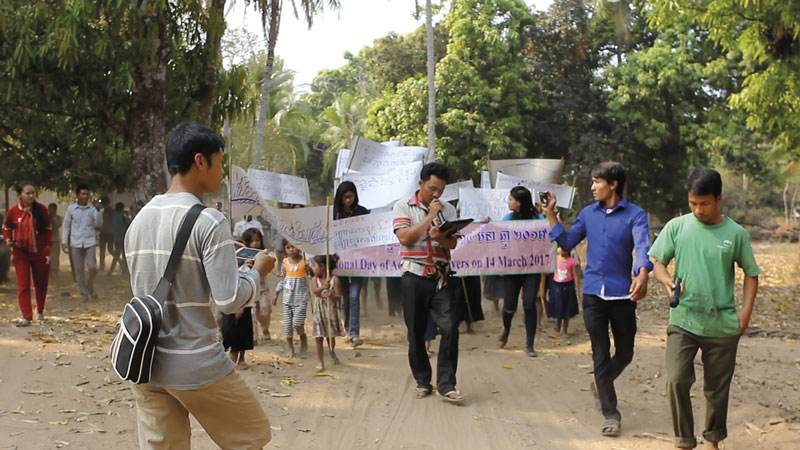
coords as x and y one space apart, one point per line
704 257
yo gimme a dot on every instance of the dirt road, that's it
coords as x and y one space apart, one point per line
57 389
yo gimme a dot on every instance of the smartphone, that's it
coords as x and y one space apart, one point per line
247 253
544 197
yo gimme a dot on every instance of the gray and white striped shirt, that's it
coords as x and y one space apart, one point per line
189 354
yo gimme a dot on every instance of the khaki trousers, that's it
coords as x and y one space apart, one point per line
228 411
719 361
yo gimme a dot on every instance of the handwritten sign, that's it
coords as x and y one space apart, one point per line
373 158
370 230
480 203
280 187
495 248
451 190
544 170
377 190
564 194
245 199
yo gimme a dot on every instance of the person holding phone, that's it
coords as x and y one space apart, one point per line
615 230
426 280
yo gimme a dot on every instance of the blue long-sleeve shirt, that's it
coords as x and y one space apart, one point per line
612 236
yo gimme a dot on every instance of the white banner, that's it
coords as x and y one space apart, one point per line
544 170
377 190
280 187
451 190
306 228
370 157
564 194
481 203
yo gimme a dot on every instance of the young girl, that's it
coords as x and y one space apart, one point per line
563 301
294 285
327 295
520 203
263 306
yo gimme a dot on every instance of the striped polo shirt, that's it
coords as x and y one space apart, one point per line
420 257
189 354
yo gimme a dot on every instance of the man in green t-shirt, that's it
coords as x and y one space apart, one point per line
705 244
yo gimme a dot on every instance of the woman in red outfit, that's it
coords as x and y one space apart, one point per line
28 230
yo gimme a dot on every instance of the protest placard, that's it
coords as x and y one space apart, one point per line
372 158
451 190
341 162
564 194
369 230
245 199
494 248
486 180
280 187
375 191
544 170
480 203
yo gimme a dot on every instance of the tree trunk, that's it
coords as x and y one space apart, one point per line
146 120
793 203
787 214
431 84
272 40
213 51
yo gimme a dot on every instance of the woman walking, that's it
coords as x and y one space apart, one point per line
28 230
345 204
520 204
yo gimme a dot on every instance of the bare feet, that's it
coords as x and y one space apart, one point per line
242 365
335 358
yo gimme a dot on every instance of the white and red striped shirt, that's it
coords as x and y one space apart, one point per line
420 257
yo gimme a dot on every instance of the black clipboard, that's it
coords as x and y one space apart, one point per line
452 227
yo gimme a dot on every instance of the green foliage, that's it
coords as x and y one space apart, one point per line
766 33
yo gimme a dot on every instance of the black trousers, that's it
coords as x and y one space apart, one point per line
529 284
421 298
598 314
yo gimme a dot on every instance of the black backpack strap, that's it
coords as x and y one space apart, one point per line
185 230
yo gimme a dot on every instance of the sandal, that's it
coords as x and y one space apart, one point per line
421 392
451 396
611 428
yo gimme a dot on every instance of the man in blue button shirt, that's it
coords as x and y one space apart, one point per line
614 230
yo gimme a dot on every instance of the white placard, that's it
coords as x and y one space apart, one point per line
486 180
564 194
370 157
245 199
341 162
451 190
369 230
481 203
544 170
280 187
375 191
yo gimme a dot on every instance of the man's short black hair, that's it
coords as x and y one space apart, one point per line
434 168
704 182
611 171
187 140
81 187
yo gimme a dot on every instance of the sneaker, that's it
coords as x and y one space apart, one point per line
40 317
356 341
24 323
531 352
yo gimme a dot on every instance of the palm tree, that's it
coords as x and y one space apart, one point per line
431 79
342 122
270 20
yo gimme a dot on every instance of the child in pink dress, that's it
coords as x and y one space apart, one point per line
563 303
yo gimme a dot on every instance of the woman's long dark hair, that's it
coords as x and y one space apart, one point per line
523 196
36 208
247 237
344 188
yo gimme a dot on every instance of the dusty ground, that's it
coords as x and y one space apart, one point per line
57 389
